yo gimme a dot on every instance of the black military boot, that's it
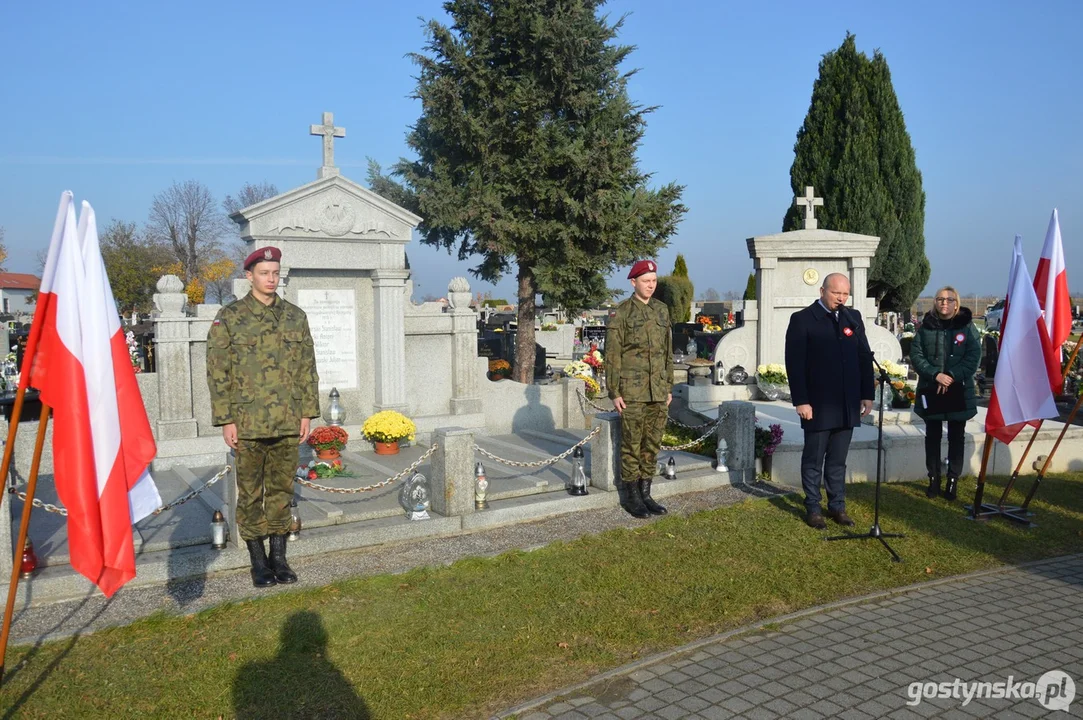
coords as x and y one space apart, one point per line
951 487
283 574
630 499
262 576
648 502
934 486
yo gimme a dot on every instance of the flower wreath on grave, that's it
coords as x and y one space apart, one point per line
903 394
594 358
323 469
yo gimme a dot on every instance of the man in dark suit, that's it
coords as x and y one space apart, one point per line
829 365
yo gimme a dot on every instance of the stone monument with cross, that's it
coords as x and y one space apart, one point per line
790 268
344 264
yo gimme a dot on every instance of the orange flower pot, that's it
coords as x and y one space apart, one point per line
329 454
382 448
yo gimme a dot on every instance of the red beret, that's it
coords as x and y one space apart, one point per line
271 254
641 268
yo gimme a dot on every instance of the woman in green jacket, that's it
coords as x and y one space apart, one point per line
946 350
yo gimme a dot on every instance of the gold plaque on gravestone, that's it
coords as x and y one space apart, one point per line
811 276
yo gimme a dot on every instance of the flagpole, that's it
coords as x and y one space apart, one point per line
1019 467
986 451
24 528
13 428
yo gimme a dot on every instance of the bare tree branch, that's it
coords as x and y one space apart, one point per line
187 218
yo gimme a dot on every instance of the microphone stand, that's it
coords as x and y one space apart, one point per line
875 533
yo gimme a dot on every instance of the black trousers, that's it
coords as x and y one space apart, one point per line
824 459
934 432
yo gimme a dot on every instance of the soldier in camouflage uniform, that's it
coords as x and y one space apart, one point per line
261 370
639 372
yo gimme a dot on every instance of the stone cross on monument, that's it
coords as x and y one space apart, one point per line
808 201
329 132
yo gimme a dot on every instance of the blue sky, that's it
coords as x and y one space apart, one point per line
116 101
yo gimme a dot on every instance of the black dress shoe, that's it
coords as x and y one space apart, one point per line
841 518
815 520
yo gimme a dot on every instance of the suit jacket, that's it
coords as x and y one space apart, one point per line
829 366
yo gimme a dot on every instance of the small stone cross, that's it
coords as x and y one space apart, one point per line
329 132
810 204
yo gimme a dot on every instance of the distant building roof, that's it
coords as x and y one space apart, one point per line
19 281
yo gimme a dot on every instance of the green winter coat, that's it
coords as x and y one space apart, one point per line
951 347
261 368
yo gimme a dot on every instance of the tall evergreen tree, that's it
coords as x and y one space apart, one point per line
750 287
526 150
676 292
680 267
854 148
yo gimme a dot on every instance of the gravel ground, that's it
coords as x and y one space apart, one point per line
94 612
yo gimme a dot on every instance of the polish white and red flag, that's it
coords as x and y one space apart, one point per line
102 441
1021 391
1051 285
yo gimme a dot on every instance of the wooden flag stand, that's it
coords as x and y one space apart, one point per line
1020 513
24 525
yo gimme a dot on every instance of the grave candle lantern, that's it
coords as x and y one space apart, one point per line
481 486
578 484
671 469
720 456
219 531
335 414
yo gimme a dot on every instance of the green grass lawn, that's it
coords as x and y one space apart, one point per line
485 634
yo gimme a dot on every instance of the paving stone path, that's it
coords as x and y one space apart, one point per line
870 658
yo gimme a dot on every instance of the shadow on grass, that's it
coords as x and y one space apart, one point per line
793 504
52 666
299 681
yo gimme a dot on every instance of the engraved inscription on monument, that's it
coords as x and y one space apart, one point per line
332 320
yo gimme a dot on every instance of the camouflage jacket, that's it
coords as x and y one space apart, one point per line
261 368
639 352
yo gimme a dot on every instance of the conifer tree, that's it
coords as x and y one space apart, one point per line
854 149
526 151
676 292
680 267
750 287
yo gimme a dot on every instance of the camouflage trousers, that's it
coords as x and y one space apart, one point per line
641 426
265 472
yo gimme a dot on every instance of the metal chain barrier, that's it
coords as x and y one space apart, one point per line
351 491
697 441
709 423
49 507
221 474
583 399
539 463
